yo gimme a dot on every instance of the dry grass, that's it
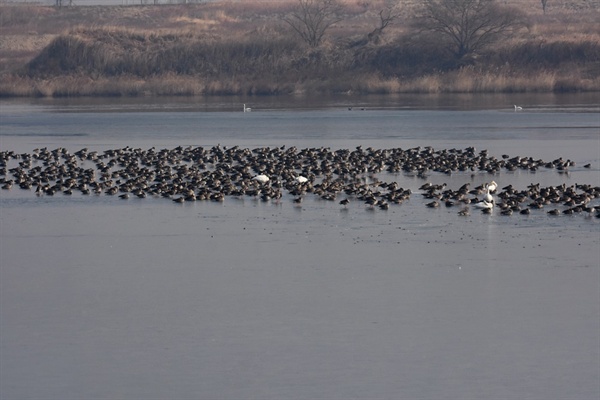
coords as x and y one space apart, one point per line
469 80
241 47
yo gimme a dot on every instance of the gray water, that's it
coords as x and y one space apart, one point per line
109 299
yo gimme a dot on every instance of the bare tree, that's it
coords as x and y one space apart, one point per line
468 26
386 17
311 18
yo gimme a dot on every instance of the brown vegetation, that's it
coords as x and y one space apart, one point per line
245 48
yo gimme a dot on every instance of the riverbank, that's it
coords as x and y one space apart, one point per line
225 48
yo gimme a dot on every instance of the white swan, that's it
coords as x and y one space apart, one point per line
261 178
301 179
247 109
484 205
518 108
487 197
492 186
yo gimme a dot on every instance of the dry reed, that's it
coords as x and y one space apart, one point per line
242 48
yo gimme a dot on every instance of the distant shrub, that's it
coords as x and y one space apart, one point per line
231 48
411 56
112 53
544 54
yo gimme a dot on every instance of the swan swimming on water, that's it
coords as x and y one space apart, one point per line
518 108
247 109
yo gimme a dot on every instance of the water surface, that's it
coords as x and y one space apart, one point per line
103 298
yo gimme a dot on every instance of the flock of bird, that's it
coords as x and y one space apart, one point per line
344 175
560 199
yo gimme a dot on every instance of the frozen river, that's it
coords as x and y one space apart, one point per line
102 298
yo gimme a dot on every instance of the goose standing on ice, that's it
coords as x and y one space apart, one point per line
464 212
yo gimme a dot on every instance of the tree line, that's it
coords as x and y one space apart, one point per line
432 46
464 26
